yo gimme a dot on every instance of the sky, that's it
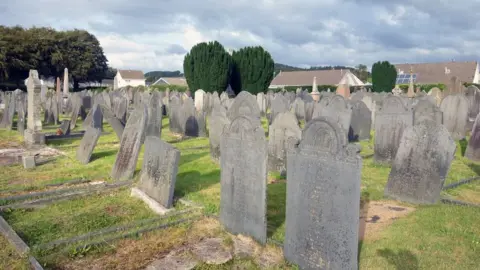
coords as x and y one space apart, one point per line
155 34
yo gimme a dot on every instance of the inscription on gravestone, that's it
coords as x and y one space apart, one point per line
243 178
130 144
421 164
323 199
159 170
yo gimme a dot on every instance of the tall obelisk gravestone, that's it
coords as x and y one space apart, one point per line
33 134
65 82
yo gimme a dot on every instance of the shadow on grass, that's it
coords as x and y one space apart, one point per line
192 181
103 154
463 146
364 206
276 206
475 168
58 142
403 260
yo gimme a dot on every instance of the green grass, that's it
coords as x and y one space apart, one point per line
432 237
9 258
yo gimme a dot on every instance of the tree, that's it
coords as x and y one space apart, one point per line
252 70
361 72
384 76
207 66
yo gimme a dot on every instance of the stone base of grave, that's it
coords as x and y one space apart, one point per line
28 162
33 137
154 205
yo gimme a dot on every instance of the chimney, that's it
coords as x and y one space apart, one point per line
447 71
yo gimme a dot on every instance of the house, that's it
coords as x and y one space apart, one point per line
128 78
179 81
435 73
323 77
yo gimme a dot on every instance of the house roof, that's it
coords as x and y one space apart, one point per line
432 73
305 77
132 74
172 81
350 79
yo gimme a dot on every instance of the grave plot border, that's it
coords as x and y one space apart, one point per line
449 200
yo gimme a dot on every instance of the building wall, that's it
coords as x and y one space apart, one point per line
119 82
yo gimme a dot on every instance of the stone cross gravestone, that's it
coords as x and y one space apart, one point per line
391 119
243 178
159 170
323 199
33 135
421 164
455 115
284 134
130 144
87 144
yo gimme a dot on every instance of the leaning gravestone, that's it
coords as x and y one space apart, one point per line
243 178
130 144
87 144
76 106
65 127
114 122
243 104
361 122
391 119
154 125
284 134
323 199
94 118
427 111
216 125
473 148
421 164
159 170
455 115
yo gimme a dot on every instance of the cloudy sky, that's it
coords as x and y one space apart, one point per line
156 34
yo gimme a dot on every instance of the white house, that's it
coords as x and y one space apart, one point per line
128 78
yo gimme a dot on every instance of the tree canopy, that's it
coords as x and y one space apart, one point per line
207 66
252 70
384 76
50 52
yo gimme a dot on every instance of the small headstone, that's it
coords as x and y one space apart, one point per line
421 164
87 144
159 170
361 122
199 98
323 199
284 134
455 115
243 178
28 162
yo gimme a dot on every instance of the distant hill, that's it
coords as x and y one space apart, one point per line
284 67
152 76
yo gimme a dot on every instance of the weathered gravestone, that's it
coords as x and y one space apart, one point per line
437 94
391 119
154 125
455 115
421 164
243 178
175 116
336 108
298 108
473 148
323 199
33 134
130 144
94 118
279 105
244 104
201 118
87 144
262 103
159 170
65 127
76 106
114 122
188 119
426 111
218 120
472 94
361 122
284 134
199 97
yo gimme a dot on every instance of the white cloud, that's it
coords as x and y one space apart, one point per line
152 35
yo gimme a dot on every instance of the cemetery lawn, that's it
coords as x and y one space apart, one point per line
431 237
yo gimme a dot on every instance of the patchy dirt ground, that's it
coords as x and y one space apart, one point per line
376 216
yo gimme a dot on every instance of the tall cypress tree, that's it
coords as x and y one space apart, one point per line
207 66
252 70
384 76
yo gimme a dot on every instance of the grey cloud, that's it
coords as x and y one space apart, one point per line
175 49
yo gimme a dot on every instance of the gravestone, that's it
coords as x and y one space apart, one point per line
472 94
201 119
159 170
391 119
65 82
114 122
437 94
337 108
309 108
33 135
244 104
130 144
243 178
175 115
279 105
94 118
154 125
323 199
455 115
473 148
76 106
216 124
262 103
284 134
87 144
188 120
199 97
298 108
426 110
421 164
361 122
65 127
